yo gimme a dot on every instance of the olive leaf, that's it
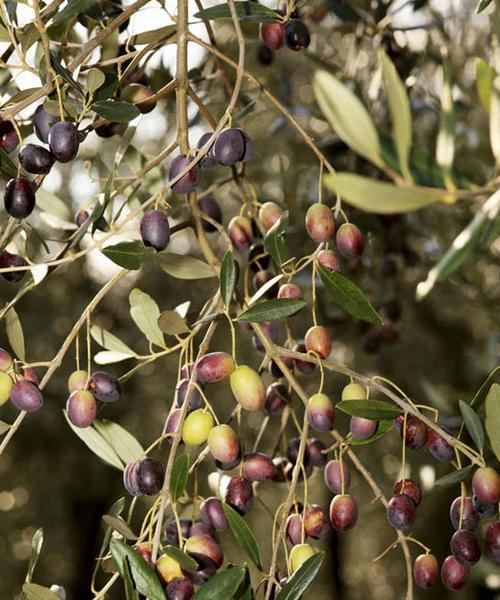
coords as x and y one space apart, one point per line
109 341
228 277
243 534
492 421
15 334
222 585
129 255
171 323
271 310
179 477
482 392
145 313
181 557
246 11
473 424
484 80
36 548
454 477
118 524
302 578
184 267
369 409
274 242
33 591
127 448
117 111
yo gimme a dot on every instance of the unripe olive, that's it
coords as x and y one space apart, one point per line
197 426
298 556
212 513
81 408
320 412
26 396
317 341
248 388
77 380
6 385
354 391
316 524
290 290
486 485
224 444
343 512
269 214
214 366
425 570
320 223
168 568
328 259
5 360
239 494
258 467
350 241
293 529
333 476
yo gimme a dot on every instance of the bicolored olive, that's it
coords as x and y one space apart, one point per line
168 569
316 524
26 396
439 448
334 474
81 408
354 391
195 398
240 232
5 360
77 380
269 214
320 412
290 290
361 428
6 385
204 546
272 35
350 241
294 529
328 259
247 388
258 467
212 513
299 554
425 570
343 512
486 485
239 494
318 341
224 444
214 366
320 223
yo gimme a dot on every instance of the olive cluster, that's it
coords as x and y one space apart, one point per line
19 384
290 31
86 391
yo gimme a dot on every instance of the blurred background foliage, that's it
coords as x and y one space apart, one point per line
438 350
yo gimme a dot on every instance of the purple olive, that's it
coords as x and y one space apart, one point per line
401 512
64 141
26 396
9 261
212 513
239 494
19 198
43 121
343 512
188 182
155 229
81 408
333 476
104 386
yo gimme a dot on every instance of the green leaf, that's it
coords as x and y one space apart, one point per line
222 586
445 144
271 310
145 313
244 535
369 409
181 557
484 81
51 203
184 267
454 477
108 88
246 11
129 255
64 73
171 323
154 35
485 386
462 245
348 296
495 119
7 166
145 579
118 524
72 8
274 242
302 578
32 591
482 5
347 116
116 110
492 420
95 79
382 429
399 107
15 333
380 197
36 548
179 476
473 424
245 591
108 340
95 442
228 277
127 448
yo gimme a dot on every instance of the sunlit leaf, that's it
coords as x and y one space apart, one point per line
127 448
129 255
108 340
492 421
184 267
380 197
347 116
15 333
473 424
145 313
484 80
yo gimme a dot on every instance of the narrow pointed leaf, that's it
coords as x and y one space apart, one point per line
302 578
473 424
348 296
380 197
271 310
492 421
495 119
179 476
181 557
118 524
482 392
399 106
454 477
347 115
116 110
484 80
222 586
228 277
145 313
184 267
108 340
244 535
145 580
274 242
369 409
126 446
15 333
129 255
36 548
246 11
